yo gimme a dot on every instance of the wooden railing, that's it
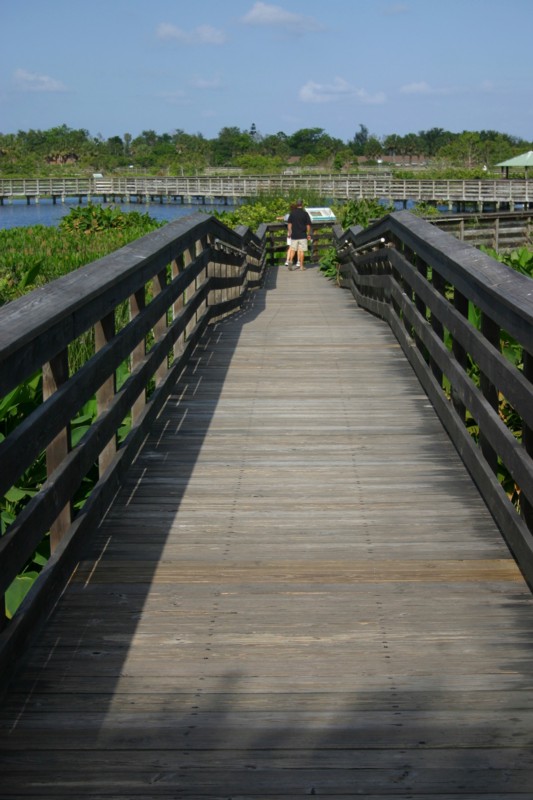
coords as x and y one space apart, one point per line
501 231
336 187
498 231
276 241
465 322
145 306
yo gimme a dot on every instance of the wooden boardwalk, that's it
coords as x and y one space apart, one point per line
298 592
477 193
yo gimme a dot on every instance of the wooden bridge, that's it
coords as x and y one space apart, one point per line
298 573
460 195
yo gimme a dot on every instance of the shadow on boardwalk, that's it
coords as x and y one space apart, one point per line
298 591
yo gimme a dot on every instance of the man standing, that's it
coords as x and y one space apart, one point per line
299 232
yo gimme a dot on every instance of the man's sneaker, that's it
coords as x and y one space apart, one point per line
290 267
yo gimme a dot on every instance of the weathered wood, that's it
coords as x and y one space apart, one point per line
476 193
503 300
54 375
298 590
35 333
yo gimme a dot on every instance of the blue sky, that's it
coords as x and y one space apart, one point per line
395 66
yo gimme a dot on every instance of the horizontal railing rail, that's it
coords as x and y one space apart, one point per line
465 322
336 187
500 231
140 312
276 241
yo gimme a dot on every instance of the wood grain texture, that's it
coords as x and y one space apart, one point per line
297 592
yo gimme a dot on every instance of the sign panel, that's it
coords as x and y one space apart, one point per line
321 214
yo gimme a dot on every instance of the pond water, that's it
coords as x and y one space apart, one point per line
19 214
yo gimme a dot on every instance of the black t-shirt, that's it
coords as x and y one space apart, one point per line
299 219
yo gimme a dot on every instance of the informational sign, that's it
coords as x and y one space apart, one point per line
321 214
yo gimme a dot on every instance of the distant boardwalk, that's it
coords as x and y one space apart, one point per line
298 591
457 194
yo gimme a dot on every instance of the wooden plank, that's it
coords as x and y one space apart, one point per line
297 591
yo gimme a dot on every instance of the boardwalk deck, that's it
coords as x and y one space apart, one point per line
298 592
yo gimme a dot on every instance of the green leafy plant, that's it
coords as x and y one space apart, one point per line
361 212
33 256
13 408
329 263
19 269
264 209
423 209
94 218
520 259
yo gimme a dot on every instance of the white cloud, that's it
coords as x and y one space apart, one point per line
340 89
32 82
204 34
416 88
267 16
197 82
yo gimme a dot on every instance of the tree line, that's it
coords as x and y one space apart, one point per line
61 150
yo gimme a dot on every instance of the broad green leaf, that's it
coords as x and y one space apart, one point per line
18 591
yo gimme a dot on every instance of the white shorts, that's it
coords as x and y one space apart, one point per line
299 245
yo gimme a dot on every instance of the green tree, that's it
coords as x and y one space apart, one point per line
497 147
373 147
410 145
115 146
359 141
191 151
231 142
392 144
257 164
275 145
432 140
465 150
306 141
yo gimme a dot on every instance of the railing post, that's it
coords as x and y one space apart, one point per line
137 305
203 244
410 256
491 332
188 258
399 246
461 304
496 240
422 269
104 331
176 269
526 505
55 374
440 285
161 326
272 244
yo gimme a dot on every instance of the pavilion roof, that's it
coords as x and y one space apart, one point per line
524 160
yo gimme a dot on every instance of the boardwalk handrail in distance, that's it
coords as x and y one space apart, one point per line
336 186
458 314
171 284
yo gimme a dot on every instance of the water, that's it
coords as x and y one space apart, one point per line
20 215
